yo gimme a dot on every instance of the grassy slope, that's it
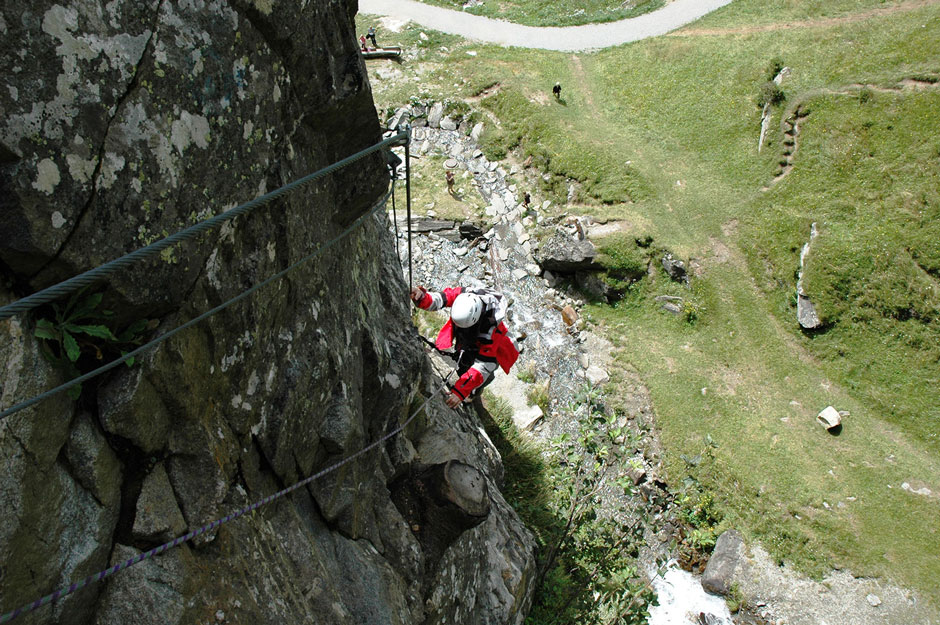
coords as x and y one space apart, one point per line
556 12
681 109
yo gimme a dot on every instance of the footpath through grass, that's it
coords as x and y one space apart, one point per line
662 135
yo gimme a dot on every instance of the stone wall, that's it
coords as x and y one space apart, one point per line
126 121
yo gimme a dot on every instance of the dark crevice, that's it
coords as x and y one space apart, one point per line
136 466
265 466
131 87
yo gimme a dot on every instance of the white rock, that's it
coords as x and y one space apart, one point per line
449 124
533 269
504 254
597 376
519 274
423 36
873 600
460 251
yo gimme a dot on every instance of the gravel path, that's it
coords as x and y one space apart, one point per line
568 39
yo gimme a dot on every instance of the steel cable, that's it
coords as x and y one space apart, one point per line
91 276
131 354
97 577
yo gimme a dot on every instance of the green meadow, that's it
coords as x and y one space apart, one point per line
661 136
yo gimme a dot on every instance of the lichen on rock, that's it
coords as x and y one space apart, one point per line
128 121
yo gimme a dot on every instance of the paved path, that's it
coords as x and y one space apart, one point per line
568 39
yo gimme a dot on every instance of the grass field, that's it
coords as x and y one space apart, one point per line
556 12
663 135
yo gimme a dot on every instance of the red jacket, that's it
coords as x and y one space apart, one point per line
492 340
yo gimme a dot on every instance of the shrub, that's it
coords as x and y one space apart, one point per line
770 93
774 67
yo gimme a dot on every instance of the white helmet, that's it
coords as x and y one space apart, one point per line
466 310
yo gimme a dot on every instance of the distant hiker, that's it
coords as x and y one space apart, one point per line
371 35
449 176
477 324
526 200
362 42
556 91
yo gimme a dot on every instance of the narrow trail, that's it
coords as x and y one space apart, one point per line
566 39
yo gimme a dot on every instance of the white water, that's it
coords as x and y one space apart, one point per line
682 599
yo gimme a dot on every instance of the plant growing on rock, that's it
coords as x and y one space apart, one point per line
79 327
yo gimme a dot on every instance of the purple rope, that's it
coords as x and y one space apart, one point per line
97 577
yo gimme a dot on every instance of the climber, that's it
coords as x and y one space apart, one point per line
477 323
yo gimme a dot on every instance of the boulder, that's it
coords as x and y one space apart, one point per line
569 315
563 254
435 114
158 517
597 376
448 123
719 573
675 268
806 313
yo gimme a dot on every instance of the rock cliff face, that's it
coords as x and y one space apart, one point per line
128 120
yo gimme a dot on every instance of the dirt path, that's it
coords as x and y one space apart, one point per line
568 39
583 85
820 23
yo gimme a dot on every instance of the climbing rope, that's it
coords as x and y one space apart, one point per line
118 362
97 577
91 276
